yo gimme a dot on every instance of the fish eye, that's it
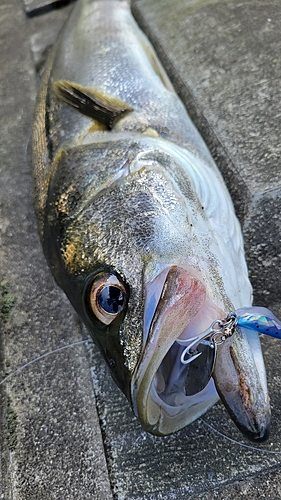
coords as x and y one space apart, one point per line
107 297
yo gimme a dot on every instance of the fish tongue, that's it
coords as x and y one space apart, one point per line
241 387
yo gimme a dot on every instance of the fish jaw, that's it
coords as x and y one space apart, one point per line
240 380
182 298
159 399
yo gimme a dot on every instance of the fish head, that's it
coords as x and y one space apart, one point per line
141 258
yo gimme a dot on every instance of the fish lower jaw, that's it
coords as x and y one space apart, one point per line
256 427
159 417
260 433
164 418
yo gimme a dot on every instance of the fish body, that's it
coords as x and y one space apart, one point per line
137 224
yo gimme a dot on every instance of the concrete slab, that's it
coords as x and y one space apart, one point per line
43 31
49 406
51 444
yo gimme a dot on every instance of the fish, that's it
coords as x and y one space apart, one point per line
138 227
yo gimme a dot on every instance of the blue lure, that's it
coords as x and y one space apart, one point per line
259 319
254 318
200 351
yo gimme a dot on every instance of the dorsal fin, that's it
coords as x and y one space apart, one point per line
91 102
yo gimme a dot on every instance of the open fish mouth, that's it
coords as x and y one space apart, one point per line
168 391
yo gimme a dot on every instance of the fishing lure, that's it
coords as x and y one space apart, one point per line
200 351
260 319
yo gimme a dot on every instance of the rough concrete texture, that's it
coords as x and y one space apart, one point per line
194 462
220 56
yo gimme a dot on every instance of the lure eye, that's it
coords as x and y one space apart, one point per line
107 297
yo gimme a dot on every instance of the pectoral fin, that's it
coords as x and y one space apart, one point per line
91 102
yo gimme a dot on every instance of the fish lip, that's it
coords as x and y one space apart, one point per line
182 298
251 428
259 435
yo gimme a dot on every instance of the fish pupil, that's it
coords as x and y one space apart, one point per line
111 299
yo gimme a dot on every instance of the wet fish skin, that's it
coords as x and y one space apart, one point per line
140 199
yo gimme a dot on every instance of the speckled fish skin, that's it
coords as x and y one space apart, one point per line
142 200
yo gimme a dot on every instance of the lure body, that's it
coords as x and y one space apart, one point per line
259 319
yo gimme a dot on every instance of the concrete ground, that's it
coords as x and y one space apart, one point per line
66 430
